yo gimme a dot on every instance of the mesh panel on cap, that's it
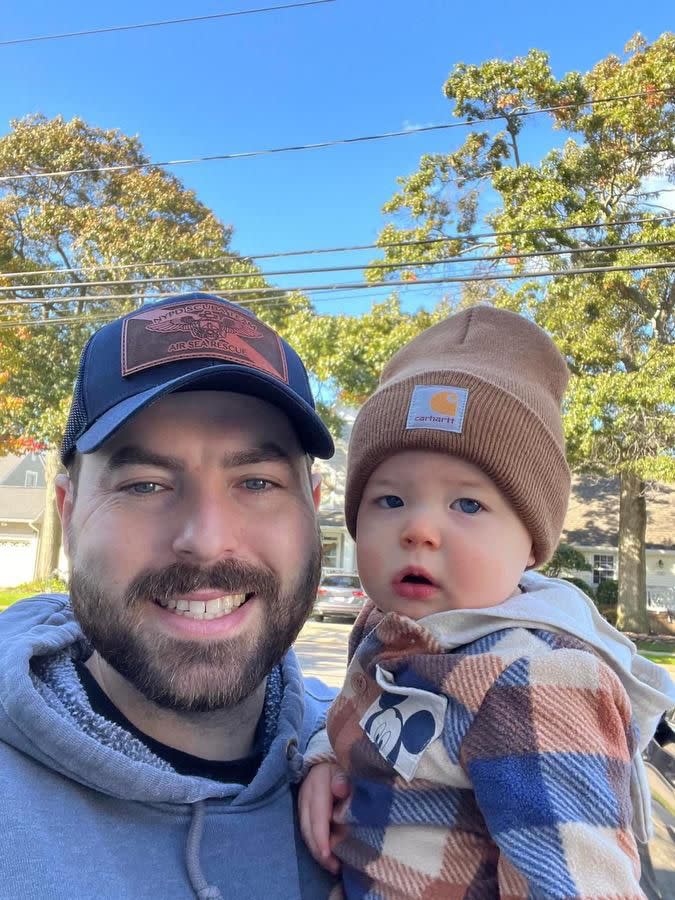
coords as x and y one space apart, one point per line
77 420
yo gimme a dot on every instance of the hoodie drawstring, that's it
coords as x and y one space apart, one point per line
295 761
203 890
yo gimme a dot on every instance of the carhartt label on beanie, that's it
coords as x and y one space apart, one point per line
485 385
437 406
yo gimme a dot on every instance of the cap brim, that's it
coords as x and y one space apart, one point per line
312 433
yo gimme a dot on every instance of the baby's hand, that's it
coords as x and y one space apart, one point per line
325 787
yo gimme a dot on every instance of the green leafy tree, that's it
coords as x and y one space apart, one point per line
616 329
347 353
89 223
565 559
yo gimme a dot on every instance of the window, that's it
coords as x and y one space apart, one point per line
603 568
330 550
31 479
342 581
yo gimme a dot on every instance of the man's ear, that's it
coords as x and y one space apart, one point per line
530 559
65 496
316 489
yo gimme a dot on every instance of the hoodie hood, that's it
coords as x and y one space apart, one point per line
558 605
44 713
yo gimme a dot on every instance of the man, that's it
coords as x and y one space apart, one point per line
151 727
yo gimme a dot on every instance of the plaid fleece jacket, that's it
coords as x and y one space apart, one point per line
498 769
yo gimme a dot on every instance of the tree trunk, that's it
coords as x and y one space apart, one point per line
632 605
50 533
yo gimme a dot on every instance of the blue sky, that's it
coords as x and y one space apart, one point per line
348 68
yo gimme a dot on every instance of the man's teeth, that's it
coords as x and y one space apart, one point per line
205 609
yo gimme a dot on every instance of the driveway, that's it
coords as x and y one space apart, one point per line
322 650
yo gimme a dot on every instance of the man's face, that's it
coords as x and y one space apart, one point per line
194 547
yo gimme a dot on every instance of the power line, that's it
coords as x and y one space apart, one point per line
226 276
315 251
186 19
456 279
321 145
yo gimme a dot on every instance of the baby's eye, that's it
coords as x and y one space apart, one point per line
389 501
467 505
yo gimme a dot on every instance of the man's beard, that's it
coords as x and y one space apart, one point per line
201 675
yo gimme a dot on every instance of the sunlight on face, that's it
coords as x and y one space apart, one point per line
202 495
435 533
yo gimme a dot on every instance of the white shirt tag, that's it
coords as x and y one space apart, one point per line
402 722
439 407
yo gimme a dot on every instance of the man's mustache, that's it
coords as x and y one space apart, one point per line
231 576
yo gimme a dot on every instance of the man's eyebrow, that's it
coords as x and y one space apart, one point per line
132 455
269 451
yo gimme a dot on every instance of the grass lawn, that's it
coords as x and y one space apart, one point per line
9 595
663 659
655 645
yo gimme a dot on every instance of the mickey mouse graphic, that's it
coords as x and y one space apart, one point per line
401 729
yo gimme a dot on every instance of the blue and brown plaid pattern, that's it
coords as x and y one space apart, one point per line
525 795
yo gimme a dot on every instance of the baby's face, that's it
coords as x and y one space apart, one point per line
435 533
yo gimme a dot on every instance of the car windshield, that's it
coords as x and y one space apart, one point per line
343 581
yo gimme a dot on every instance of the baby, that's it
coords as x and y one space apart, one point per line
491 721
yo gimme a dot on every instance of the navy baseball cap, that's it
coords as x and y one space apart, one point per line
188 342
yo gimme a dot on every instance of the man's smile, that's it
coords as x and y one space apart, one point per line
214 608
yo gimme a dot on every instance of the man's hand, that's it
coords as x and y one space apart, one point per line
322 796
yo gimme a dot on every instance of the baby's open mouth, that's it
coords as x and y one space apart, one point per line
206 609
416 579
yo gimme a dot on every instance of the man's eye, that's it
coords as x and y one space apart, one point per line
389 501
257 485
467 505
145 487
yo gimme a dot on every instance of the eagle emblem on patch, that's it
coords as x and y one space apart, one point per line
210 325
200 328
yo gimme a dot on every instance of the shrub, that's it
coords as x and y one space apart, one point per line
565 559
583 585
48 586
607 593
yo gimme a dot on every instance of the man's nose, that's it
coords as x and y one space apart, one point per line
421 530
207 529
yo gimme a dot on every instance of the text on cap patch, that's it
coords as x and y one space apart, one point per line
437 407
200 328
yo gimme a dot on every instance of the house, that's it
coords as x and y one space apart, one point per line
339 551
592 527
22 501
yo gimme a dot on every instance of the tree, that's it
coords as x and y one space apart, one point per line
616 329
346 354
62 240
565 559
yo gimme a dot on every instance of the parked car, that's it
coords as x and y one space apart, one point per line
339 595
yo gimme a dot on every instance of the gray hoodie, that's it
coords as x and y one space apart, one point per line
89 811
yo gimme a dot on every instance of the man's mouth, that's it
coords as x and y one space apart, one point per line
215 608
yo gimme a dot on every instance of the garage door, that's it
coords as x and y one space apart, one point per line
17 560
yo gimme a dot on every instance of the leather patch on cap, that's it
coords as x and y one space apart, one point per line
200 328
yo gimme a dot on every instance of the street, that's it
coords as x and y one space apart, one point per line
322 650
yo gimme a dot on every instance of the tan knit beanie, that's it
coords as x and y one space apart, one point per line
485 385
